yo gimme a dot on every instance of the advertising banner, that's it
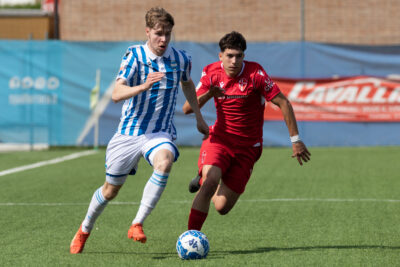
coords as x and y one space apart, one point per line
356 99
47 88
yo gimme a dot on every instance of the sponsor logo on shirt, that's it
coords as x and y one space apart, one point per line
232 96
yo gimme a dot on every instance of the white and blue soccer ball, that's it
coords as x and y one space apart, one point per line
192 245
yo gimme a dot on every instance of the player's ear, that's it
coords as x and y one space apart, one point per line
148 32
220 55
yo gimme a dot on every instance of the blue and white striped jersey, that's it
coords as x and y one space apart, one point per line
153 110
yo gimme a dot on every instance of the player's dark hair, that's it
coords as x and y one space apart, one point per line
158 15
232 40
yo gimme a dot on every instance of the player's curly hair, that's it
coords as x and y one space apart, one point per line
158 15
233 40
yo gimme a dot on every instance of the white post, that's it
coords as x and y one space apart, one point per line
97 116
96 134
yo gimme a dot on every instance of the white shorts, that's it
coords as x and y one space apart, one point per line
124 152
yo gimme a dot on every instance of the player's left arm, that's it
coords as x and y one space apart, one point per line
300 150
190 93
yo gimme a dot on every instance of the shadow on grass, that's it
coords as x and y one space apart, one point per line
310 248
218 254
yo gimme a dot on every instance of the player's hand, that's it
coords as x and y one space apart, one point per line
152 78
216 91
300 152
203 128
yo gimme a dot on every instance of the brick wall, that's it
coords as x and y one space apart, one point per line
333 21
353 21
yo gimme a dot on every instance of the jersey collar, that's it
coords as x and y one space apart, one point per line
153 56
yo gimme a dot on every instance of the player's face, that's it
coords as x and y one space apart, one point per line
158 38
232 60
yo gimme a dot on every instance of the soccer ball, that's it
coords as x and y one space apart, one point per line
192 245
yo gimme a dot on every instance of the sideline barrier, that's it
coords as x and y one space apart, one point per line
45 90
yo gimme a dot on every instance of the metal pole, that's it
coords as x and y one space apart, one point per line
302 44
303 54
302 22
31 103
96 135
96 125
56 21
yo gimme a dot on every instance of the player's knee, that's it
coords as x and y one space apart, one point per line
163 165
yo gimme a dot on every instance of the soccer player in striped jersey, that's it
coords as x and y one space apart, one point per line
239 89
148 82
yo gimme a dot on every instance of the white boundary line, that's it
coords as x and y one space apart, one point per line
321 200
245 200
48 162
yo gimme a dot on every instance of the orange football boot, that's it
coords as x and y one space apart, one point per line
136 233
78 242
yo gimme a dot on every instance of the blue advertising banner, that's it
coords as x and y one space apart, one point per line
45 89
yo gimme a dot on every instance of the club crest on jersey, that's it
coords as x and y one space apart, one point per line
260 72
221 84
242 84
174 65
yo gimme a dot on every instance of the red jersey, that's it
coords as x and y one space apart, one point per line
240 112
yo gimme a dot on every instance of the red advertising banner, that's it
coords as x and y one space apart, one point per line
356 99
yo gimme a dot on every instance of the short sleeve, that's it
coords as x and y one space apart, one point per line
204 85
187 66
128 66
268 88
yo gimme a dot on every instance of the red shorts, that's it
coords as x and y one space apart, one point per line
235 162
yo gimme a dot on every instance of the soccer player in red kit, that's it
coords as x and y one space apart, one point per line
240 89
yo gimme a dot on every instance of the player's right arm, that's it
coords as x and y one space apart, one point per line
123 91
